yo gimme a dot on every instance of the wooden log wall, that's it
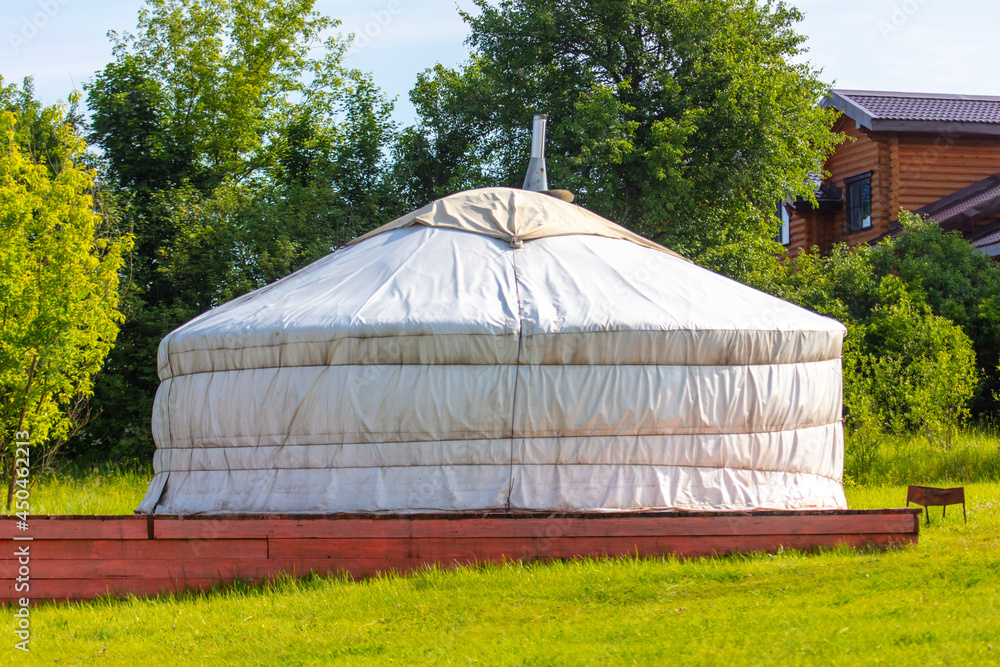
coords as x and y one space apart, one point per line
932 166
851 159
909 171
82 557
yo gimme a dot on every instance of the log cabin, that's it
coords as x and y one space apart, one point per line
937 155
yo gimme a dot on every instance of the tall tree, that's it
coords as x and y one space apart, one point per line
59 280
684 120
443 153
222 124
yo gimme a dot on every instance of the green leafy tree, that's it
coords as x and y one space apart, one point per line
685 121
59 282
959 283
443 153
238 149
906 370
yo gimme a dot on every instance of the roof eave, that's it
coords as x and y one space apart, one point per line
846 101
945 128
992 250
862 116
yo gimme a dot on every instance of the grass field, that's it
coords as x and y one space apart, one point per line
98 490
935 603
972 456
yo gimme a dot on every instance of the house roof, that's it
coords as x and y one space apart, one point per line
828 196
990 235
964 208
885 111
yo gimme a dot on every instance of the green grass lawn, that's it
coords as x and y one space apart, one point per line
937 602
98 490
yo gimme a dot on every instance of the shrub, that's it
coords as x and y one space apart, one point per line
958 282
906 370
918 367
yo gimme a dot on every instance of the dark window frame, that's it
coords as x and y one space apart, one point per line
858 201
784 236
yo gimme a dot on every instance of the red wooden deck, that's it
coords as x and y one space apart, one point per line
80 557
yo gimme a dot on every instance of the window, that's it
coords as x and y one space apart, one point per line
783 234
859 202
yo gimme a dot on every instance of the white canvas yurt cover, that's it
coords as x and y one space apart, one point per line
499 349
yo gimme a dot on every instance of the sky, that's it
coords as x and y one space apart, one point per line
905 45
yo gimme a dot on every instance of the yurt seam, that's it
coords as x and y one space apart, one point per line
517 376
563 434
485 335
620 365
565 464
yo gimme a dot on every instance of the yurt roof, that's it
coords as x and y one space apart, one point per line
450 284
512 215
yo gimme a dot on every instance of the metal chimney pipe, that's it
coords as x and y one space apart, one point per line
537 178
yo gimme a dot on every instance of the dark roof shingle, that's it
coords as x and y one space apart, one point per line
919 112
988 239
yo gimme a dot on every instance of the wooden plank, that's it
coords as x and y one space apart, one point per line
634 546
540 526
139 569
82 588
223 569
535 526
77 528
930 189
283 527
138 549
378 547
819 524
484 548
492 548
915 174
948 162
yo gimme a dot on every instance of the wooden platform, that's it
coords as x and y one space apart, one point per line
81 557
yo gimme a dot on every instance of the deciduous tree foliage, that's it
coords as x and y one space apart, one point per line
906 369
59 282
684 120
444 153
958 282
239 149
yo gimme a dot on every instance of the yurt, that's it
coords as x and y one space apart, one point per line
499 350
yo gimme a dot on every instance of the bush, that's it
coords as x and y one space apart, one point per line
906 370
921 367
958 282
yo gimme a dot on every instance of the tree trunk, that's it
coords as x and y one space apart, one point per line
20 424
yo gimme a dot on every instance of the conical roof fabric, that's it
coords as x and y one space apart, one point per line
499 349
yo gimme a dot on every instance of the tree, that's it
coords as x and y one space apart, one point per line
685 121
238 148
958 282
906 370
59 284
442 154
